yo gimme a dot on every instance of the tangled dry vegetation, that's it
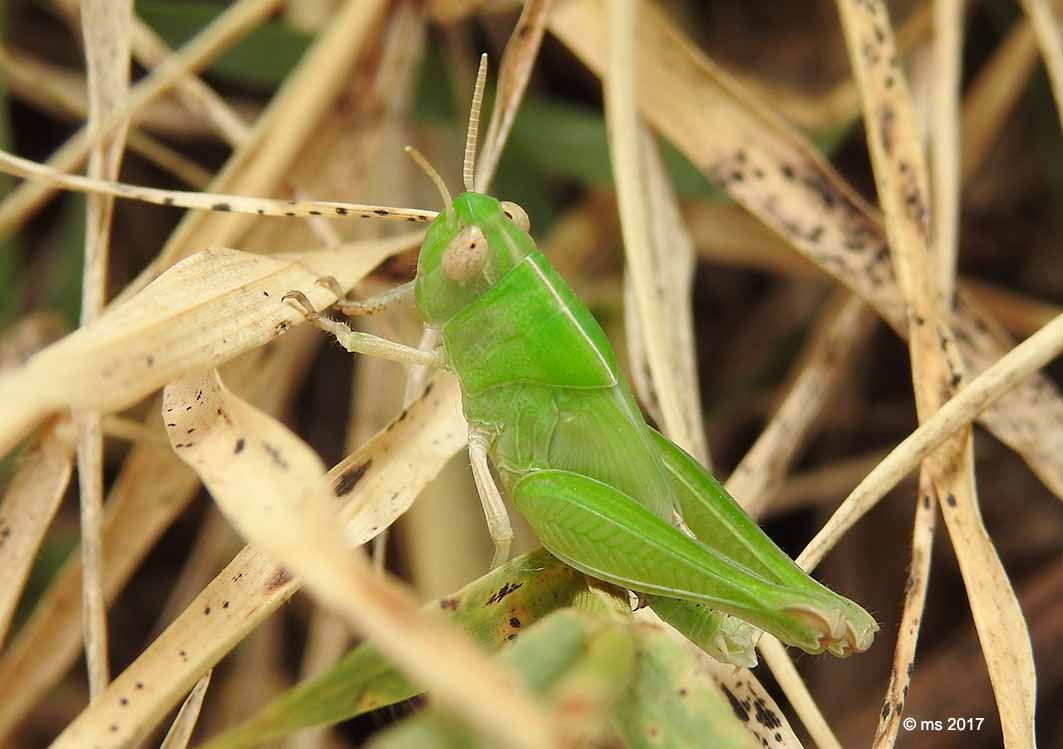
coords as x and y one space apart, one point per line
833 354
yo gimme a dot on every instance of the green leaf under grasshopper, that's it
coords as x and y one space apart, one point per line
493 609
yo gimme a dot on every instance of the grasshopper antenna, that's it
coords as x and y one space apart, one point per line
474 123
433 175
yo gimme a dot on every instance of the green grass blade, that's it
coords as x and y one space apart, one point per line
677 702
493 609
579 661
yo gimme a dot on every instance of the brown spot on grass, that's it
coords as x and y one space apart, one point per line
350 478
279 578
275 455
740 710
765 715
886 122
502 592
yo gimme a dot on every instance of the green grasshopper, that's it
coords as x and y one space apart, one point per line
547 404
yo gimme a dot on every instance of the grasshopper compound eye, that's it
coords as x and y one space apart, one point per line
516 214
465 255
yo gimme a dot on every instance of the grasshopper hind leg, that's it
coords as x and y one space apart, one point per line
715 519
606 534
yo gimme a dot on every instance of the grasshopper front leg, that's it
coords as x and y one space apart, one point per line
372 305
604 533
498 524
364 343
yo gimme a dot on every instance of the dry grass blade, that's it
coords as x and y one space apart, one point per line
673 265
900 178
993 95
214 546
44 85
758 475
778 176
281 133
241 454
45 647
252 674
1026 358
28 335
915 588
782 668
375 397
626 146
54 90
151 51
774 729
105 28
843 327
209 201
945 136
821 112
824 484
418 442
129 430
638 198
235 21
1018 313
28 506
185 722
513 74
378 483
61 92
146 691
152 489
725 234
1002 629
208 309
1047 22
945 151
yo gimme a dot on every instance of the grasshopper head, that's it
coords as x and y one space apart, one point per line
468 248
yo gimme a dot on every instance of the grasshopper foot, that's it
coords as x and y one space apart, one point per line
735 643
303 303
330 283
836 633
